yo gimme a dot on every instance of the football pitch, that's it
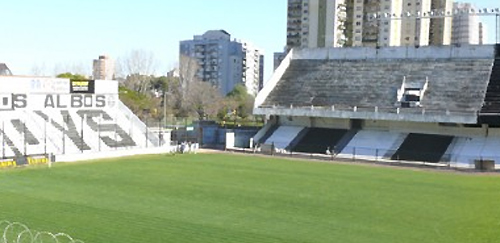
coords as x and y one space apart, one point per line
237 198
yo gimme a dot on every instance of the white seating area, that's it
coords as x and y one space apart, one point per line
283 136
469 149
19 138
72 131
372 144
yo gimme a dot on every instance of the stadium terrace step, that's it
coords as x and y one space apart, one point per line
297 139
68 128
52 118
27 135
90 117
268 134
423 147
372 144
283 136
469 149
454 84
319 140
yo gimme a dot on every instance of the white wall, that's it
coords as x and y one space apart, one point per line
112 154
427 128
295 121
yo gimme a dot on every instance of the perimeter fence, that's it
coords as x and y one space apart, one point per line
483 162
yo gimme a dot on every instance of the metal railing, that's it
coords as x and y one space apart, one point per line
383 156
374 109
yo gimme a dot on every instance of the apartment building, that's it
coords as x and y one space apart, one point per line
367 23
103 68
370 31
253 64
482 34
415 31
465 26
440 28
315 23
224 62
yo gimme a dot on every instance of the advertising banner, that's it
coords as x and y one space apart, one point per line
24 161
11 102
82 86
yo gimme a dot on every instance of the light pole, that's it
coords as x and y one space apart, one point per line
497 27
164 108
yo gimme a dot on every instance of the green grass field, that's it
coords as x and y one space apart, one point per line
233 198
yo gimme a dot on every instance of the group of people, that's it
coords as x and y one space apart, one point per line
187 147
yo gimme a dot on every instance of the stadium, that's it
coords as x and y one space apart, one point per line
431 104
66 120
437 105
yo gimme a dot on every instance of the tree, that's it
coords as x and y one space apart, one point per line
162 87
138 67
139 83
180 90
72 76
203 99
188 70
242 101
140 104
80 68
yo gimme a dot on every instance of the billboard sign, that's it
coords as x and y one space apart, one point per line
82 86
24 161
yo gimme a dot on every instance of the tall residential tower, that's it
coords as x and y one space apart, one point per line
376 23
103 68
315 23
440 28
465 26
415 31
223 62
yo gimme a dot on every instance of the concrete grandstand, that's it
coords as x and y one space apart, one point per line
68 119
431 104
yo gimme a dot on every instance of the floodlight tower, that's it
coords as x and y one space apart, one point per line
436 14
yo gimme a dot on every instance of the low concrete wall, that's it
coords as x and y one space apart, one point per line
112 154
410 52
242 137
213 136
323 112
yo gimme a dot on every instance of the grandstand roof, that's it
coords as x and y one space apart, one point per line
447 80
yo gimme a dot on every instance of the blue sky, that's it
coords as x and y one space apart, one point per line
58 35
